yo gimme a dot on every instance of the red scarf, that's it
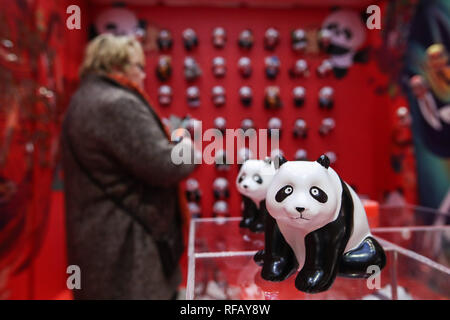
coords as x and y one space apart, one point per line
127 83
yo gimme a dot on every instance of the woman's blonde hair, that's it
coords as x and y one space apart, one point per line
107 53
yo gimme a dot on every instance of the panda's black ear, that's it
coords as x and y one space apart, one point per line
324 161
278 161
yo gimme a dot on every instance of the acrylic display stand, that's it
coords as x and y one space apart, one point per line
416 241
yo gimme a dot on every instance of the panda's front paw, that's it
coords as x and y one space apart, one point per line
259 257
313 281
277 269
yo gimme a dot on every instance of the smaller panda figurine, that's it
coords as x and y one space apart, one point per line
272 66
218 96
300 69
193 96
300 129
271 38
191 69
247 124
219 37
164 40
245 67
219 67
301 155
220 209
246 96
324 69
246 39
326 98
193 192
272 98
221 160
243 155
327 125
194 210
164 68
298 94
274 123
190 39
323 221
220 189
220 124
298 40
165 95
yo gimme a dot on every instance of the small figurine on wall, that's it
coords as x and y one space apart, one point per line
193 192
272 98
220 209
246 96
273 124
324 69
194 210
218 96
219 37
324 222
246 39
271 38
327 125
272 64
165 95
193 96
326 98
298 94
218 67
221 189
221 160
190 39
191 69
247 124
299 41
301 155
245 67
220 124
300 69
164 68
164 40
300 129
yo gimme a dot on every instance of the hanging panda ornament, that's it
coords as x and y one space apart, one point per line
194 210
165 95
164 40
300 69
220 209
327 125
326 98
218 96
246 96
272 66
324 222
331 155
300 129
219 37
193 193
324 39
191 69
221 160
246 39
324 69
298 95
164 68
272 98
193 96
219 67
221 189
271 38
245 67
274 125
220 124
301 155
190 39
347 34
247 124
299 41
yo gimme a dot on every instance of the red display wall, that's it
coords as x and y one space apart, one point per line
361 138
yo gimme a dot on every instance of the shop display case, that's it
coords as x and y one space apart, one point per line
415 239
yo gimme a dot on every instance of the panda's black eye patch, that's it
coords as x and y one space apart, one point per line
332 26
348 33
318 194
283 193
241 178
258 178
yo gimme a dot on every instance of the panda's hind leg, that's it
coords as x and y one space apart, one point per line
355 263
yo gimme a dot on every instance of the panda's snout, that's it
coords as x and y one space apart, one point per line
300 209
244 186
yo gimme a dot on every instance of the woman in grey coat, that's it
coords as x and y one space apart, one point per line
123 210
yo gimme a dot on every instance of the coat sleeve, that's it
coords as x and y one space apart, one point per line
132 135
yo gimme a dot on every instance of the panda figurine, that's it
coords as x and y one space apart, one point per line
323 221
277 258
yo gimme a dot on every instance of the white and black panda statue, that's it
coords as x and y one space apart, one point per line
323 221
252 182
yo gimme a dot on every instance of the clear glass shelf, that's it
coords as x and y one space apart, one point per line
221 262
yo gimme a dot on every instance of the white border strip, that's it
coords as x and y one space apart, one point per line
225 254
190 286
412 228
